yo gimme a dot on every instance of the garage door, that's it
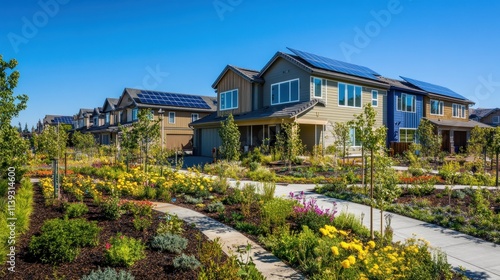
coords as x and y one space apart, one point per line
209 139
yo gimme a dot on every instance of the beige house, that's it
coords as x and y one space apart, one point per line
290 87
489 116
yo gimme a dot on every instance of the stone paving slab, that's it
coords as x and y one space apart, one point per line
269 265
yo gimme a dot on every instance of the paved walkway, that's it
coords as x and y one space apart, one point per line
269 265
480 258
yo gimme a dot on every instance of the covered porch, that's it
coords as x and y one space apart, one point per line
455 134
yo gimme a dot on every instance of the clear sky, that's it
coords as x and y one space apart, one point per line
73 54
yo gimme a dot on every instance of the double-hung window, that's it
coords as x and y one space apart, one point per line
194 117
355 142
349 95
229 100
135 111
437 107
171 117
458 111
107 117
318 87
496 119
406 103
285 92
374 98
407 134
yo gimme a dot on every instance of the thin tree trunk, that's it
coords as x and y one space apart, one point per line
363 181
381 223
496 183
371 194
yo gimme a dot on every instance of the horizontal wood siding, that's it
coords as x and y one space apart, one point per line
332 112
489 119
447 110
231 81
404 119
281 71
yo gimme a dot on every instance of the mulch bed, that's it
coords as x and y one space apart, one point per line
156 265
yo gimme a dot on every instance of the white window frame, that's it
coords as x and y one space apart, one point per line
234 93
346 93
497 118
440 107
195 117
458 111
375 99
289 92
135 114
406 129
399 103
352 138
322 88
171 117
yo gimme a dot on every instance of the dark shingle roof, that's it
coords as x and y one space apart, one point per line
468 124
247 74
481 112
284 111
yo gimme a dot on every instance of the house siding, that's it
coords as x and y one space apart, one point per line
447 112
231 81
399 119
489 119
282 71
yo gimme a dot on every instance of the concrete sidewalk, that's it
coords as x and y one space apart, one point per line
480 258
269 265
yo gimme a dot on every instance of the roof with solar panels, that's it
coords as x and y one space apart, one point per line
170 100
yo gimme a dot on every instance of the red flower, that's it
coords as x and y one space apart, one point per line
108 246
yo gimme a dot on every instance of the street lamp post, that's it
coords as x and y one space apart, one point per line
161 113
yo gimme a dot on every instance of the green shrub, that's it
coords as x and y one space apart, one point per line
261 174
185 262
268 190
216 207
170 224
149 193
349 221
124 251
233 198
458 194
193 200
111 208
275 212
449 171
169 242
108 274
248 228
75 210
142 223
61 240
248 198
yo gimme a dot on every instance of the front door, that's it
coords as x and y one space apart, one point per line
445 144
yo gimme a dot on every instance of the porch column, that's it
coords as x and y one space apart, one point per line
251 135
452 141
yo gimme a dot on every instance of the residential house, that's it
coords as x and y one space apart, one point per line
83 120
489 116
449 112
53 120
177 111
311 90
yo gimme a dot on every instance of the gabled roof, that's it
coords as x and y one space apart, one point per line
462 124
57 119
97 111
111 102
84 112
304 65
134 95
284 111
247 74
402 85
481 112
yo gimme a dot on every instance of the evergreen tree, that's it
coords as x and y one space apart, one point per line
230 137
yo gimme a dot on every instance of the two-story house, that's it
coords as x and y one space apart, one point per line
175 109
449 112
489 116
308 89
83 120
54 120
104 125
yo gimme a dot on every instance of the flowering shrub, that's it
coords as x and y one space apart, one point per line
124 251
170 224
47 188
192 183
308 213
142 223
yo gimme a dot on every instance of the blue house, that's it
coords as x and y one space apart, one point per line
405 109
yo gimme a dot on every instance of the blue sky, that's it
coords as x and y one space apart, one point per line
73 54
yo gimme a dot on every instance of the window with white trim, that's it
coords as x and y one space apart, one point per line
458 111
354 141
437 107
194 117
406 103
496 119
135 111
285 92
349 95
407 134
318 87
229 100
171 117
374 98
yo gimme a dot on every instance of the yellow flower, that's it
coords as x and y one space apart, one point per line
344 245
351 259
335 250
342 232
371 244
345 264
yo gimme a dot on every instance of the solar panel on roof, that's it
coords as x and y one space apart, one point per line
63 119
335 65
433 88
172 99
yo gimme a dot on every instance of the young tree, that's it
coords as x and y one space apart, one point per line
128 143
84 142
13 148
342 138
373 140
230 136
481 139
148 132
289 140
52 141
429 140
495 146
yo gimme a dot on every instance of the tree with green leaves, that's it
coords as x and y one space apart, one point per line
230 137
428 139
13 148
341 133
480 140
495 147
52 142
373 140
84 142
288 139
129 144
